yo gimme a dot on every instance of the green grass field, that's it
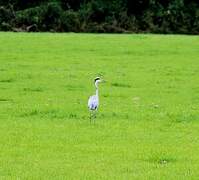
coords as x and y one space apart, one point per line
147 125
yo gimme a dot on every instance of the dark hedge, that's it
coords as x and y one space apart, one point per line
102 16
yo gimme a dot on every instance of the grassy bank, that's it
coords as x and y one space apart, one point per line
148 121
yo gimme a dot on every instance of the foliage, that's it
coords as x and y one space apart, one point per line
70 21
51 17
156 16
6 16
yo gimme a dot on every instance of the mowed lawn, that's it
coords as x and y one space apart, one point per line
147 125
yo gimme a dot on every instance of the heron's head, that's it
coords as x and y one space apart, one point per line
97 80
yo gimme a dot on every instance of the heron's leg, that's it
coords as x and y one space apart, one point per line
90 116
95 114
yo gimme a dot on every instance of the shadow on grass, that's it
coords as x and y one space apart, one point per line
6 80
73 88
161 159
33 89
1 69
121 85
113 115
61 114
183 117
5 100
51 114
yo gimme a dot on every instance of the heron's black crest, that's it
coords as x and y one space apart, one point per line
97 78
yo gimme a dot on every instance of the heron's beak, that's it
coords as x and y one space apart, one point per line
103 81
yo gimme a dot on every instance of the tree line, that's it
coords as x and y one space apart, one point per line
101 16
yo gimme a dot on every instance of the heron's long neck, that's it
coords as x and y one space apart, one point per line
97 94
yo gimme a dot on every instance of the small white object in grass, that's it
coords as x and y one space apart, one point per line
135 99
155 105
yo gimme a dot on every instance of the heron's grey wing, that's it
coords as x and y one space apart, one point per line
93 102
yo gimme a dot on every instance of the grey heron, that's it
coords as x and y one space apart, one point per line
93 101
